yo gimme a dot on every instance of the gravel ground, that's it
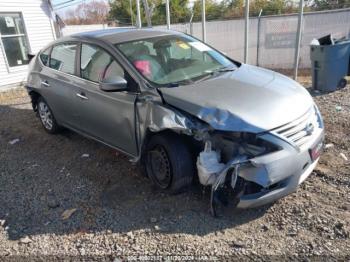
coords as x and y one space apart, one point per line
56 202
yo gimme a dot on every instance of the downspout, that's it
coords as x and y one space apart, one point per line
51 19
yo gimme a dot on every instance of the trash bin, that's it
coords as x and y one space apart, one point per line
329 65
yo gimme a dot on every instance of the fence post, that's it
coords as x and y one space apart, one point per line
258 39
298 39
167 9
204 32
138 21
246 38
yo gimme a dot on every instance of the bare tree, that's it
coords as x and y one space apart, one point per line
94 12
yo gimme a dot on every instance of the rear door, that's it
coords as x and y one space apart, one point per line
59 83
107 116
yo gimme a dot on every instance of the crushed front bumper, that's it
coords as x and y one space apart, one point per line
279 174
285 188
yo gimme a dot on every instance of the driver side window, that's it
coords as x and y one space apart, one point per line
97 65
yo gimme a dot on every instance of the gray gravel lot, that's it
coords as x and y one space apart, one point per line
115 212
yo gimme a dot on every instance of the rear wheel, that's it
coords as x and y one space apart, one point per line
169 163
46 116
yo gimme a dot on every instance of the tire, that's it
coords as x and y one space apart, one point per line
46 117
169 163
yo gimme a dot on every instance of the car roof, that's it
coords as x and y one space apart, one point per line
119 35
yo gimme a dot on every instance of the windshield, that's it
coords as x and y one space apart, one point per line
171 60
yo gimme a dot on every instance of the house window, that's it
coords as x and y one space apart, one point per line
14 39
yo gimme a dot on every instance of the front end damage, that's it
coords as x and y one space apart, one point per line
257 168
260 168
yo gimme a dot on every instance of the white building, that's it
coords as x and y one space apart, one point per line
25 27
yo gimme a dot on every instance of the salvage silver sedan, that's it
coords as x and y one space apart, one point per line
182 109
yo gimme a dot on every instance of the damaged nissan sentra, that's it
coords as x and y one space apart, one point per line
182 109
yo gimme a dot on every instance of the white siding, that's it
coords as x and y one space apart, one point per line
38 24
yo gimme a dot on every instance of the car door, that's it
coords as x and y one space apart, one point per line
107 116
58 83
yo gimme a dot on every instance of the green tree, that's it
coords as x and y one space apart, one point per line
213 9
121 12
235 8
329 4
226 9
179 10
267 6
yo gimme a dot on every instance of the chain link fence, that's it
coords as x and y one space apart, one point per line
272 39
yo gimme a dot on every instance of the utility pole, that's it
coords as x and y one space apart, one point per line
298 39
246 32
138 19
167 8
258 39
204 31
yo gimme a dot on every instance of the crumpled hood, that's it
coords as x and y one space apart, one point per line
249 99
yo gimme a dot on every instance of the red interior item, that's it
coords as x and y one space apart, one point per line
144 67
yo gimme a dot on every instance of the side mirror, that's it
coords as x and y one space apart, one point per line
114 84
30 56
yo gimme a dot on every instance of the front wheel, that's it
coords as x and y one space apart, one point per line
169 163
46 116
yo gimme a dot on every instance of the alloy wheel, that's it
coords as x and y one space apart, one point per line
45 115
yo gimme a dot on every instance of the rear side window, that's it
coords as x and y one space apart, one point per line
44 56
97 65
63 57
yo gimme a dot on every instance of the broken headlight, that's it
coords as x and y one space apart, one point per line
253 146
232 144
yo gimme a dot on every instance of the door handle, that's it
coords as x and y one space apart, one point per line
82 96
45 83
145 98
